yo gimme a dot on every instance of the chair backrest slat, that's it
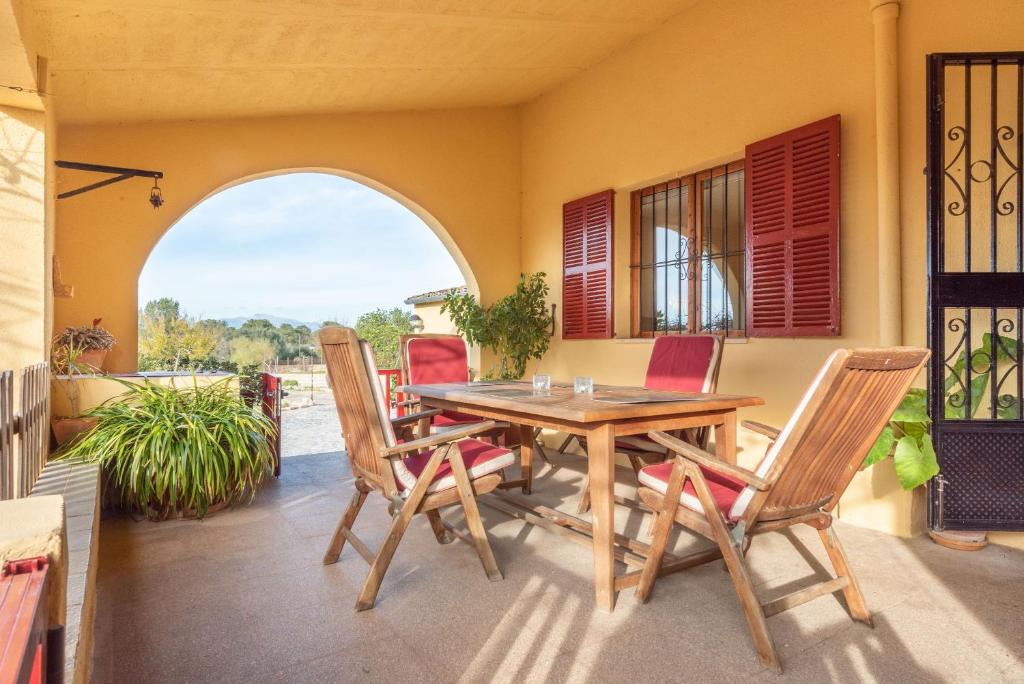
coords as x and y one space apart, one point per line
357 393
685 363
826 441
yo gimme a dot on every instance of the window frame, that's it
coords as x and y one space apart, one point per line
695 223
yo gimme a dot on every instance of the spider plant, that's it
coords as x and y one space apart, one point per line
178 451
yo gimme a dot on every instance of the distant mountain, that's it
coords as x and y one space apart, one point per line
276 321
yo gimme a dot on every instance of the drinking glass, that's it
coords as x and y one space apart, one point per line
583 384
541 384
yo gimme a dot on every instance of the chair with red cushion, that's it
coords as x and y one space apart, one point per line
429 359
679 363
798 482
417 476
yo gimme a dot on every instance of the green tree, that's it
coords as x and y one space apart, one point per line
165 308
382 328
295 341
256 328
222 332
247 351
169 340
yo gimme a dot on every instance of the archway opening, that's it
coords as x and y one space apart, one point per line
242 281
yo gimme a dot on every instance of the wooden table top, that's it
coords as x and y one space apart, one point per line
607 404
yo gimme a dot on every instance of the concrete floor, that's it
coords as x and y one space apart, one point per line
242 596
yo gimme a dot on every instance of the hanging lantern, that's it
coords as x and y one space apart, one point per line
156 196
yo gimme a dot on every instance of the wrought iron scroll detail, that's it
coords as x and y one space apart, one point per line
956 207
956 398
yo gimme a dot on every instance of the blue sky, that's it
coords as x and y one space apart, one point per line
308 246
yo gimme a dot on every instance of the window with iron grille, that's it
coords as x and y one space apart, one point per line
688 254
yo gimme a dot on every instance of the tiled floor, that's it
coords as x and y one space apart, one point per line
243 596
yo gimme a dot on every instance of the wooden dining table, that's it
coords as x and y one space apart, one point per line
600 418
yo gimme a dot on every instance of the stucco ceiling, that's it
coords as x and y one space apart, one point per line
138 60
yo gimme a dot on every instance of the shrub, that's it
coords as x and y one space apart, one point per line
171 451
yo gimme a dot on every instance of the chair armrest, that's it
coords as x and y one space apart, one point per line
437 440
414 417
762 429
409 402
703 458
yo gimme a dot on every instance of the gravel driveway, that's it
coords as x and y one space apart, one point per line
311 430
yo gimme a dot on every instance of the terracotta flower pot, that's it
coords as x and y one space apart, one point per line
66 430
93 358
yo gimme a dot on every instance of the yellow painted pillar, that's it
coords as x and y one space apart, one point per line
885 15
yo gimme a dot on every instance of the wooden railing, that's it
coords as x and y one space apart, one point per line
22 459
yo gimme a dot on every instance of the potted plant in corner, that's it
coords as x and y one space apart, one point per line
174 452
92 341
66 366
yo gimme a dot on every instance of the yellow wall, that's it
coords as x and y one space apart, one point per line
458 170
688 96
433 320
24 292
692 94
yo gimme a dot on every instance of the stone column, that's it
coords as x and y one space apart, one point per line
885 15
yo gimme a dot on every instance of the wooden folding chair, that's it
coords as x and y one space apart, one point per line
799 481
418 476
429 358
678 363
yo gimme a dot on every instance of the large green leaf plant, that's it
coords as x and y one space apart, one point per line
907 436
907 439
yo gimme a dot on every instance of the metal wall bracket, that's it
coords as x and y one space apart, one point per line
120 174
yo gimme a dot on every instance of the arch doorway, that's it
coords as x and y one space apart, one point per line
248 274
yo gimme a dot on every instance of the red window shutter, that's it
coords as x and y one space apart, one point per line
587 225
792 187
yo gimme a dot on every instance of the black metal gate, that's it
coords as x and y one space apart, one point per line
976 288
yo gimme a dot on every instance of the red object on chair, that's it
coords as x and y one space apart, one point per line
436 359
429 359
684 363
679 363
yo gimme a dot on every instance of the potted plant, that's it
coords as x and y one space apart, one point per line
178 452
66 365
93 342
516 328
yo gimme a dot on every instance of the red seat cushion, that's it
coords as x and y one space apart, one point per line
450 418
724 489
480 458
680 363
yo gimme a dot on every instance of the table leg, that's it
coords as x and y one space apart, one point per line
725 438
423 427
526 456
601 457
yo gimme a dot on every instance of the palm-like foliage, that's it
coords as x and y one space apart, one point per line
170 450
